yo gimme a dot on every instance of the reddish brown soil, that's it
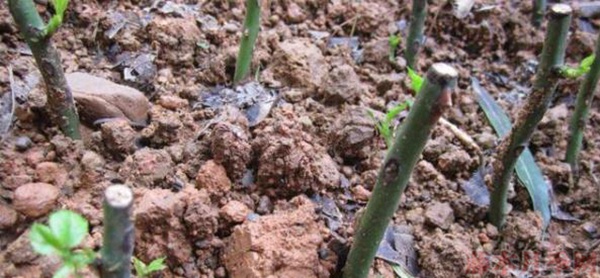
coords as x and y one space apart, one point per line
219 198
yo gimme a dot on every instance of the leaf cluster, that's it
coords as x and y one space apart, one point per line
65 231
583 68
144 270
60 6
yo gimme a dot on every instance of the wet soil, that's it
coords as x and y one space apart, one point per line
221 196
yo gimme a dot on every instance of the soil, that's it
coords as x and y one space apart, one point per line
221 196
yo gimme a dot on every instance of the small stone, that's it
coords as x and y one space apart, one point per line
440 215
234 211
415 216
491 230
23 143
220 272
50 172
8 217
265 206
35 199
361 194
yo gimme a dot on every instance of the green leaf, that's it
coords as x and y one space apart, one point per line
64 271
43 240
587 62
415 80
156 265
60 6
68 227
139 266
527 170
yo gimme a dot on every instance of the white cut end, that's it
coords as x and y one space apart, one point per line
444 70
561 9
118 196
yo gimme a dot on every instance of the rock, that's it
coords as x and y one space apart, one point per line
35 199
589 228
118 137
8 217
98 99
294 14
50 172
235 212
284 244
176 38
298 63
440 215
147 167
23 143
213 178
265 206
342 85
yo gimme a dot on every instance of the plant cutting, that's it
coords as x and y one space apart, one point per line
532 112
38 36
415 32
117 247
583 103
539 9
248 40
433 99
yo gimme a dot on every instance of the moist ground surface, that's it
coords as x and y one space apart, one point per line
222 190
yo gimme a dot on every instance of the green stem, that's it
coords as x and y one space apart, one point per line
249 35
117 246
532 112
431 102
539 9
415 33
582 109
60 99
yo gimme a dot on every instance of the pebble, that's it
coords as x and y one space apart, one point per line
264 205
23 143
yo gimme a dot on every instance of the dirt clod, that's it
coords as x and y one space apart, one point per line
148 167
118 137
284 244
8 217
235 212
35 199
213 178
440 215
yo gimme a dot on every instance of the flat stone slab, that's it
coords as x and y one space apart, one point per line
100 99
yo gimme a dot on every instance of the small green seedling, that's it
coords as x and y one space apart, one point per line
65 231
385 127
416 81
394 42
143 270
60 6
584 67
